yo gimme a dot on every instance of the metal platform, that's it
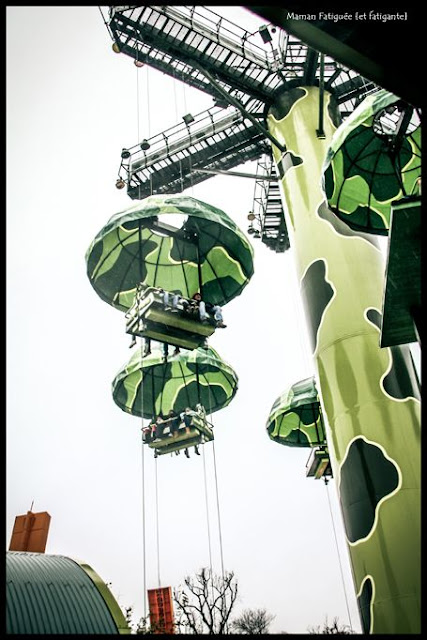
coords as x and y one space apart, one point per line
216 140
242 72
199 433
182 41
177 40
268 218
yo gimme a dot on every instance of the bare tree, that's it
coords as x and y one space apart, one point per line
145 627
335 627
205 603
252 621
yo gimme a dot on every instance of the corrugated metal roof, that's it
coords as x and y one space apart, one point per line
55 594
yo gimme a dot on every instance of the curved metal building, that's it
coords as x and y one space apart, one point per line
55 594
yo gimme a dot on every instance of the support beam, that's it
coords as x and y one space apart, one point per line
319 131
241 108
310 66
240 174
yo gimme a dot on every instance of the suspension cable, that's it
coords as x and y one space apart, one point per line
149 124
216 489
143 486
207 510
105 21
157 525
142 374
218 510
217 503
137 101
338 552
142 400
176 116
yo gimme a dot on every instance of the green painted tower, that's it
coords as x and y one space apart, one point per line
369 395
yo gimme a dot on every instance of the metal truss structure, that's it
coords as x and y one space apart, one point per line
242 72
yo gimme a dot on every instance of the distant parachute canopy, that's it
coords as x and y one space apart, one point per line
192 377
295 418
207 253
374 159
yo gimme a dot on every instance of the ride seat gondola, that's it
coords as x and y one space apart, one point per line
149 318
197 433
319 463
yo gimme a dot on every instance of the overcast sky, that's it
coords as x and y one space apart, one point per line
71 108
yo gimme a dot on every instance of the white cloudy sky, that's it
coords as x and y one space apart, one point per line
71 107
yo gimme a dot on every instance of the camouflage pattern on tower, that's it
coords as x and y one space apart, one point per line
369 396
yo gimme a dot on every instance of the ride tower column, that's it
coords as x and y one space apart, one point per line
369 395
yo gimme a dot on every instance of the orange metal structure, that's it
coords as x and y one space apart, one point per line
161 610
30 532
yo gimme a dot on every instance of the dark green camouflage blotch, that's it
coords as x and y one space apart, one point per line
329 182
364 602
334 111
295 438
375 317
401 382
125 274
316 295
360 499
363 218
288 161
341 227
283 102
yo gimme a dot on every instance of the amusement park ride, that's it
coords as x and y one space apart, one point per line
338 162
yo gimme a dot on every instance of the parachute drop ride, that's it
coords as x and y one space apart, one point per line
296 420
148 387
374 159
369 395
143 265
139 255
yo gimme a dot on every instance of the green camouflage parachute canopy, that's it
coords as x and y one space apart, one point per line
185 380
373 160
208 253
295 418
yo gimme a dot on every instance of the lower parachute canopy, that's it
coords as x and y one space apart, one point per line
147 386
